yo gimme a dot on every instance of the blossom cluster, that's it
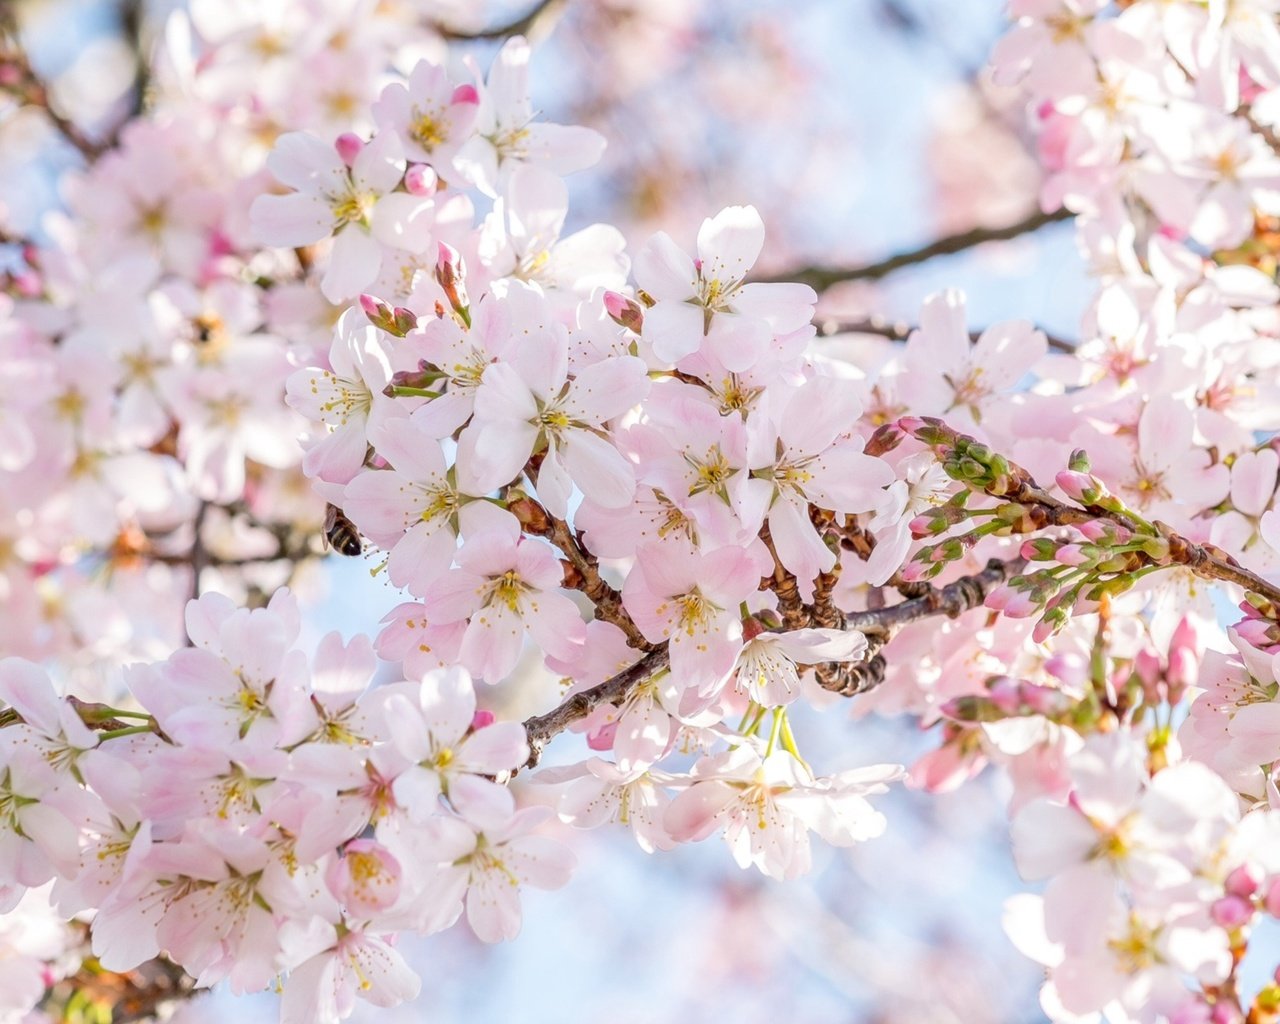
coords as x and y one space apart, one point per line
646 474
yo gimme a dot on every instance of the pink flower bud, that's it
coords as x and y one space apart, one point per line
348 145
1225 1013
465 94
1231 912
624 312
481 719
1071 554
1081 487
1245 880
1147 666
365 879
374 308
420 180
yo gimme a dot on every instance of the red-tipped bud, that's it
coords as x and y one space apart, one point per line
1245 880
624 312
1231 912
420 180
348 145
481 719
465 94
451 270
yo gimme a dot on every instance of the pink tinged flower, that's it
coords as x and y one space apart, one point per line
355 205
506 136
431 116
767 807
413 509
448 756
505 584
240 678
324 989
531 401
492 866
49 724
707 301
343 398
813 457
421 645
950 374
462 354
365 879
41 817
597 793
522 239
340 677
694 603
767 667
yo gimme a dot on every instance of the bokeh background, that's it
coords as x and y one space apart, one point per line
859 128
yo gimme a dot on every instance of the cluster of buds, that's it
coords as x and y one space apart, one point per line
395 320
966 459
1260 626
1009 697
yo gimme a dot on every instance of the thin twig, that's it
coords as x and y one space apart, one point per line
897 330
822 278
540 17
952 600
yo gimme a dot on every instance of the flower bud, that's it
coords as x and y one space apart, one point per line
465 94
420 180
348 145
1245 880
1081 487
481 719
1272 901
450 272
624 312
1231 912
1079 461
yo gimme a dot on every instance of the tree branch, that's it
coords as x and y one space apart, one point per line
952 600
542 15
822 278
29 89
897 330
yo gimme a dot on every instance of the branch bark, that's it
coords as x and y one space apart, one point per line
897 330
821 278
541 16
952 600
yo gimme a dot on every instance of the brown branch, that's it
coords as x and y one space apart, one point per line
30 90
541 728
541 16
821 278
897 330
1015 485
952 600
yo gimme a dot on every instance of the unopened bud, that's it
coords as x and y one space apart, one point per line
348 145
481 719
1231 912
420 180
1245 880
465 94
624 312
451 272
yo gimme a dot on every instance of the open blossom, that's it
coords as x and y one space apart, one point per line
431 116
490 866
767 668
450 757
694 603
811 456
506 136
356 205
505 584
347 398
767 806
530 401
324 989
705 301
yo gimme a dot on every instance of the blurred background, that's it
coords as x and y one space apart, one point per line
860 129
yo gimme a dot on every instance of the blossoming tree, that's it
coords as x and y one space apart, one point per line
319 287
